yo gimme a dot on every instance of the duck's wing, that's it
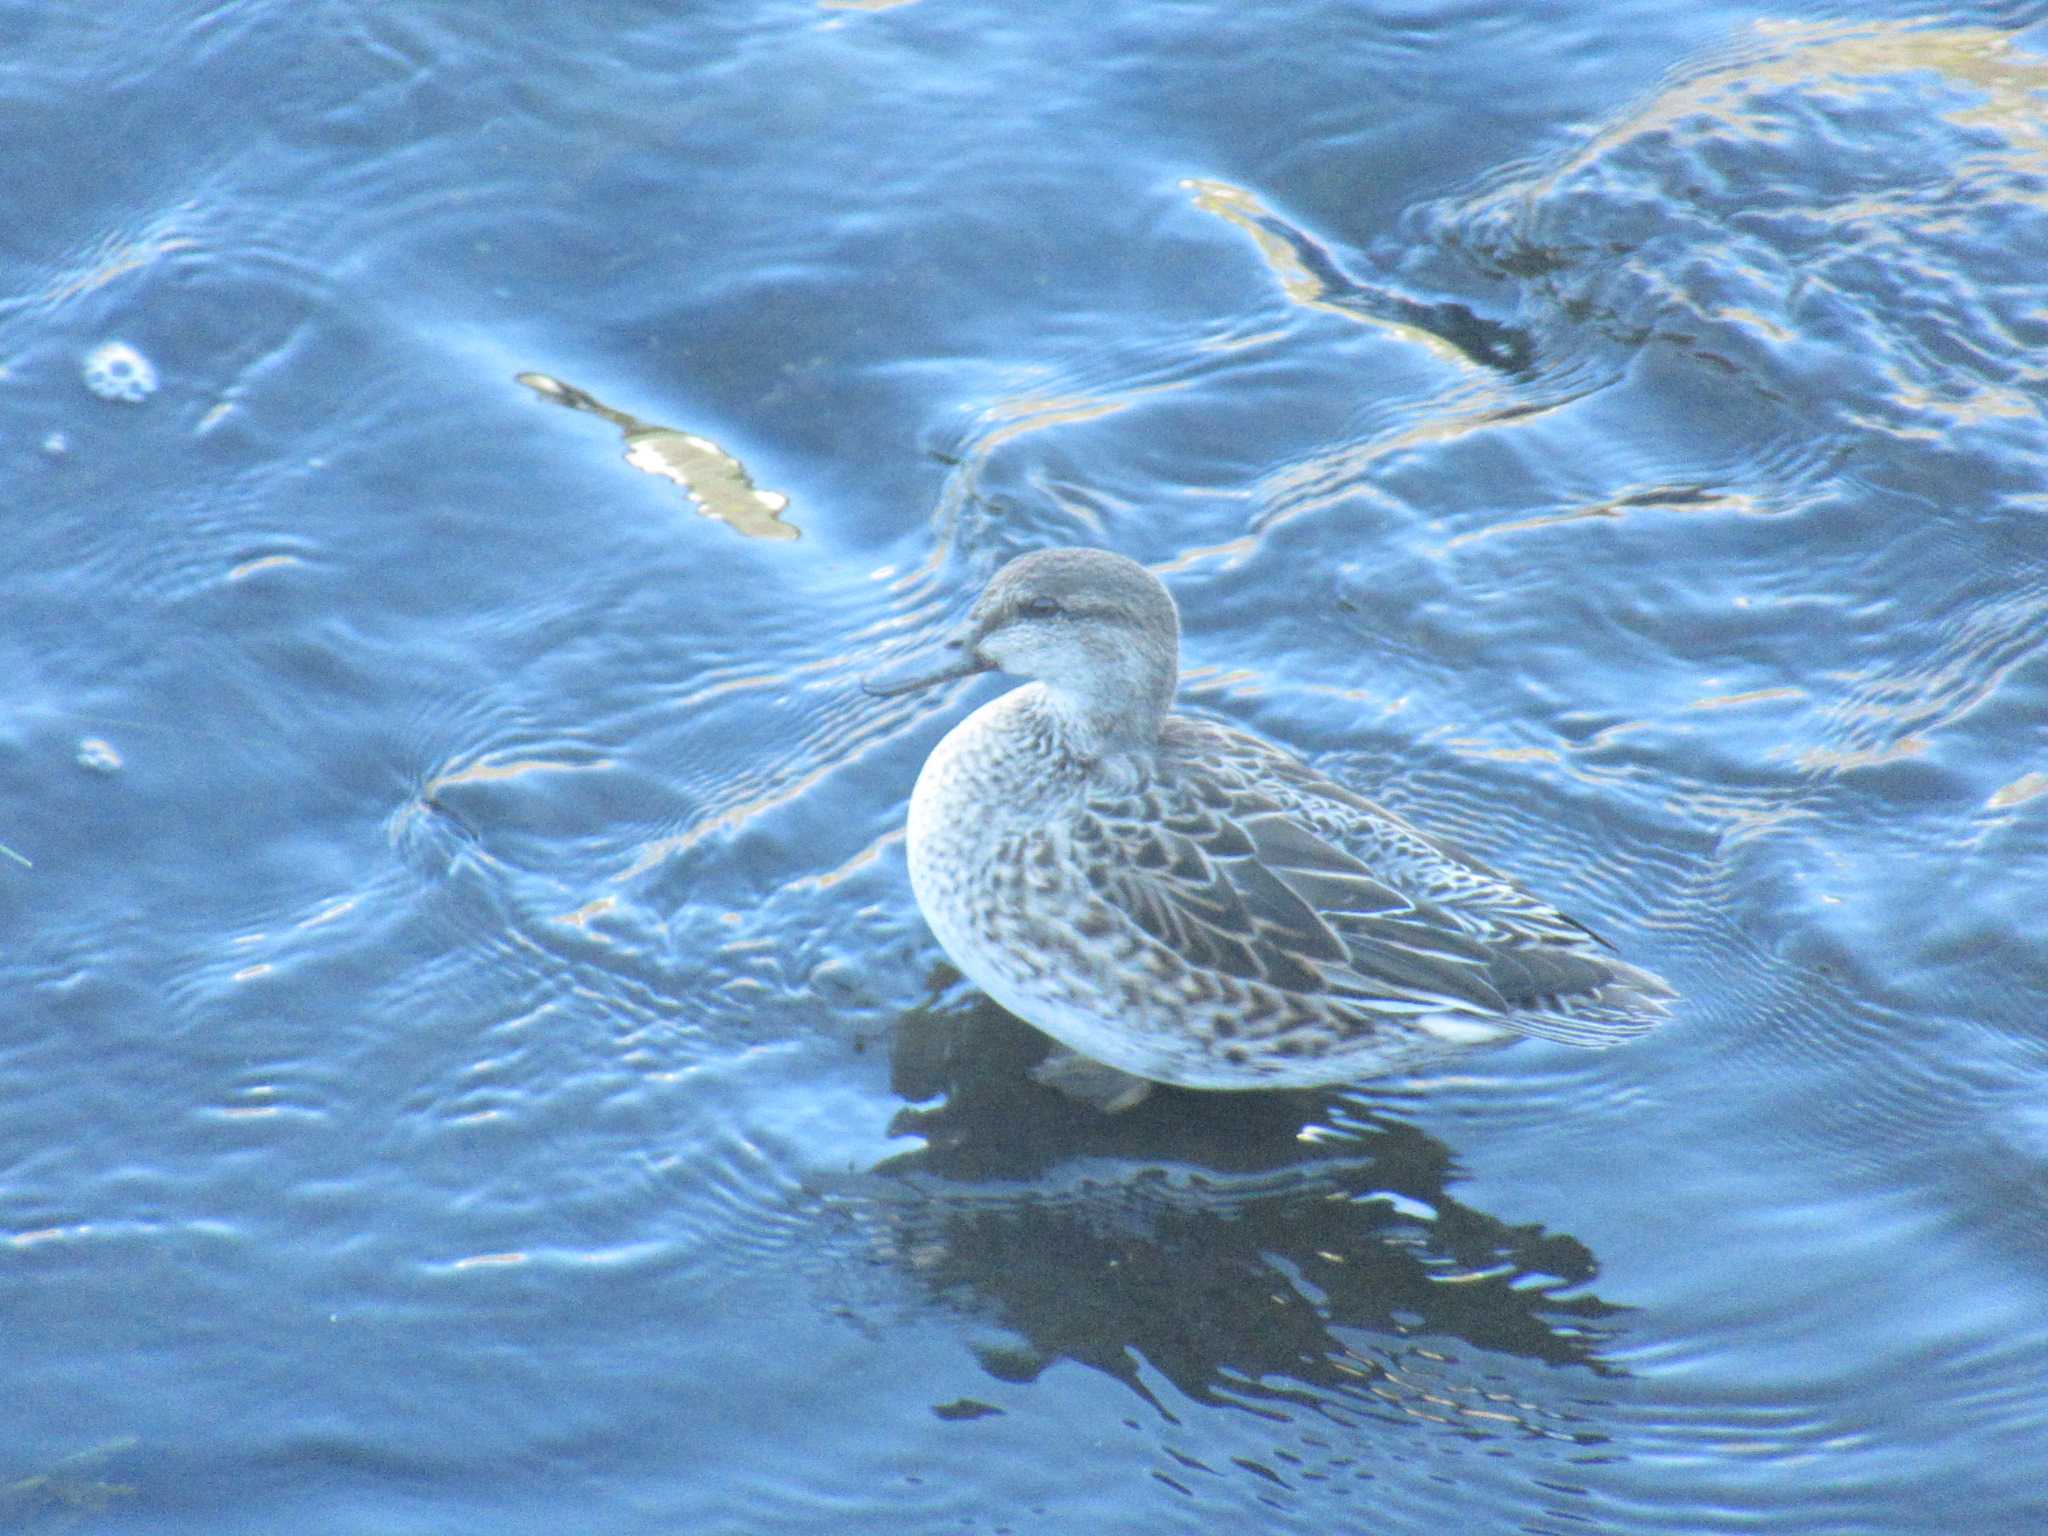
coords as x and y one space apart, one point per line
1478 900
1245 862
1233 883
1466 893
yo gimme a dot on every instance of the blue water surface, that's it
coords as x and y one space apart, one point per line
472 1061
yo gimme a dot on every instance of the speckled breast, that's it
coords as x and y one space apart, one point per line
989 864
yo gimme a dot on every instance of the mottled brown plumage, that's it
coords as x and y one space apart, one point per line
1188 904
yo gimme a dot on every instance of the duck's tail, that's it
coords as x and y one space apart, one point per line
1624 1002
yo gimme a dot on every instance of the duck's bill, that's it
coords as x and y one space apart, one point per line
893 687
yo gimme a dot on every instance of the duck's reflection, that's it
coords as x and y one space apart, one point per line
1257 1249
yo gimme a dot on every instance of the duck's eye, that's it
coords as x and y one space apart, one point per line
1042 608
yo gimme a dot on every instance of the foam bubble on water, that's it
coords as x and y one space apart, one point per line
116 371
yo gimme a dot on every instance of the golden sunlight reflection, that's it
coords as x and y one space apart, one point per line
490 1261
117 260
866 857
1670 498
2020 790
249 568
1229 555
329 913
1796 53
1476 405
1846 760
485 772
1302 285
1024 413
1753 696
1467 746
716 483
588 913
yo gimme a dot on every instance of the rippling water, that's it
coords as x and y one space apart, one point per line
473 1061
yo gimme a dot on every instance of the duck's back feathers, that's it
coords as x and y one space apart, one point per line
1247 863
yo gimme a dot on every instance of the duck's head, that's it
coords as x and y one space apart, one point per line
1098 630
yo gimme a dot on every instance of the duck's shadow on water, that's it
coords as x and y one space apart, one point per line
1258 1249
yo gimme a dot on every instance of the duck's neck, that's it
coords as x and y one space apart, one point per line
1104 723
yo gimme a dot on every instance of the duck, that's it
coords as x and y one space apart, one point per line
1176 901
